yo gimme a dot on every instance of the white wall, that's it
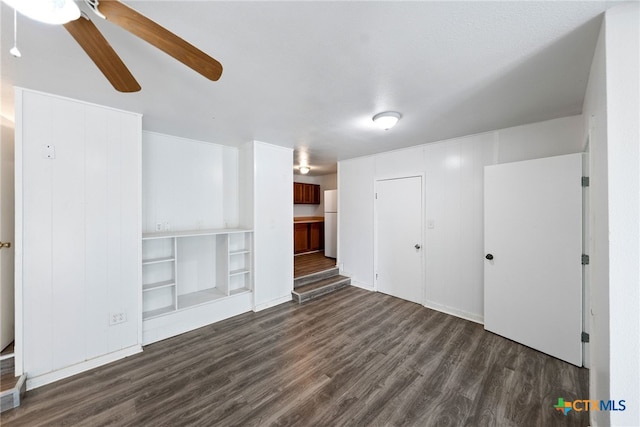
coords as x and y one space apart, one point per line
326 182
188 184
612 109
273 219
77 235
454 205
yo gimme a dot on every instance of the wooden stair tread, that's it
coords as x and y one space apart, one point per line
320 284
7 382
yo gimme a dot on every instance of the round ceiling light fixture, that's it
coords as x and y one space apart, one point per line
47 11
304 169
387 119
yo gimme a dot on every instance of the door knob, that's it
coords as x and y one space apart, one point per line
489 257
5 245
417 246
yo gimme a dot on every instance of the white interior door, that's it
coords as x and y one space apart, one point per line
7 327
533 233
399 238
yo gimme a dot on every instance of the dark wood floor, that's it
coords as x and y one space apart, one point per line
351 358
311 263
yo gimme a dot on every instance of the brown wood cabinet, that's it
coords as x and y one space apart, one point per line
300 238
306 193
308 236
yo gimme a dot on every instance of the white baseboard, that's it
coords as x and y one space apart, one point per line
272 303
455 312
50 377
362 285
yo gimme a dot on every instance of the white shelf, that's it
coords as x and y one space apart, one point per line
157 260
200 297
238 272
240 252
187 269
158 285
158 312
192 233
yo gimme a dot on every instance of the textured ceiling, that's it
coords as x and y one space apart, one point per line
311 74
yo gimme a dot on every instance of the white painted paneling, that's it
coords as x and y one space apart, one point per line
80 238
355 219
187 184
37 265
67 231
454 236
400 163
273 219
546 139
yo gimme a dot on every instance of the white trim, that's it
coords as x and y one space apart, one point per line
362 285
18 237
50 377
455 312
272 303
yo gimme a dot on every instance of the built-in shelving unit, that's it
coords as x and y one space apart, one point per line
185 269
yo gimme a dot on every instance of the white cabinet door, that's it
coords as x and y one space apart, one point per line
399 238
533 233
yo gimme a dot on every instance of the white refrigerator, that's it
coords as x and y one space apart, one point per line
331 223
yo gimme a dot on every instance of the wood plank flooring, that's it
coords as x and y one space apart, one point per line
311 263
351 358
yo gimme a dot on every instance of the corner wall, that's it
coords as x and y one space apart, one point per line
453 170
612 111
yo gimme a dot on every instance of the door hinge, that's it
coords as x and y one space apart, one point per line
585 259
376 276
376 196
585 181
584 337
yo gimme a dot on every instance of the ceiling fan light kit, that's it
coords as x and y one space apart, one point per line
54 12
387 119
67 13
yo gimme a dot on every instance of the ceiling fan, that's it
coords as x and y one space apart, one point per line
100 51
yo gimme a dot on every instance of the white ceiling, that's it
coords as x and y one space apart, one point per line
311 74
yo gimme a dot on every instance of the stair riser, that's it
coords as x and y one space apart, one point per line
307 296
305 280
7 366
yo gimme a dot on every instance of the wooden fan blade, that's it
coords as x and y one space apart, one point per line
100 51
143 27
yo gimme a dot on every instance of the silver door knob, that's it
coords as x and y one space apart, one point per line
417 246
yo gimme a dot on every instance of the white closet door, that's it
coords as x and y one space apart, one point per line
533 233
399 238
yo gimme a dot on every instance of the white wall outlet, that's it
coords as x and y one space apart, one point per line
159 226
167 227
117 318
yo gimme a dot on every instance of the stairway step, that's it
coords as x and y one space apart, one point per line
10 397
7 365
320 287
314 277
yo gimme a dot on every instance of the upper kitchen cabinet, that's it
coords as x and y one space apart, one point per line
308 194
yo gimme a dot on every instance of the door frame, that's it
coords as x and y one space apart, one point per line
423 296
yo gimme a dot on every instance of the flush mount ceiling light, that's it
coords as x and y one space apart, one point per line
47 11
387 119
304 169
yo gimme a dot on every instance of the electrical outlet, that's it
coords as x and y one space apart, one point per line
159 226
117 318
167 227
